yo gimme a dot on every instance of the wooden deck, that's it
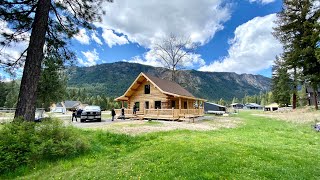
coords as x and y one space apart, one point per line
162 114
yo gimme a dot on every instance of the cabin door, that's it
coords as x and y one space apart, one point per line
146 105
185 105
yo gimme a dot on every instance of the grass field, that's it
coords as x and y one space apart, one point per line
259 148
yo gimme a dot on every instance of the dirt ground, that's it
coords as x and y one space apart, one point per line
301 115
135 127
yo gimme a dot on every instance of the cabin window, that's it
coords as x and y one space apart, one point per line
157 104
147 89
146 105
173 104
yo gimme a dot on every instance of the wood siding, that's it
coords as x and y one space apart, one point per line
155 95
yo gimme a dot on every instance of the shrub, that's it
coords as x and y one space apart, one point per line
24 143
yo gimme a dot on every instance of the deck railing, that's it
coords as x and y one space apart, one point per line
163 112
126 111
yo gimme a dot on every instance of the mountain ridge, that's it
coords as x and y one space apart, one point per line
113 79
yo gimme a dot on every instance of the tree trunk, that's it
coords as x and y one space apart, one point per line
315 95
294 100
32 68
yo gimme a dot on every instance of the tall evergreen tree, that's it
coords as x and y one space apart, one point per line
12 96
281 83
297 25
52 84
48 22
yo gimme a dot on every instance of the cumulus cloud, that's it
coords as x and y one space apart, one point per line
262 1
82 37
252 49
12 51
112 39
142 60
144 22
91 58
191 60
94 36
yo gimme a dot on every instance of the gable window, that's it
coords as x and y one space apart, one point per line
147 89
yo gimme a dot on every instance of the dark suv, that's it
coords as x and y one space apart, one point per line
91 113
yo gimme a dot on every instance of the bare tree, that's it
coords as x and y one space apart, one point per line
174 52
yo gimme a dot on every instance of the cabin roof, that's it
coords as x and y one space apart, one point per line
165 86
71 104
253 105
310 90
215 104
169 86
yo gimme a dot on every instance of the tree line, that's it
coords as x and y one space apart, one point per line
10 92
266 98
298 29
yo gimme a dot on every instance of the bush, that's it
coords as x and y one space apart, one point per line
24 143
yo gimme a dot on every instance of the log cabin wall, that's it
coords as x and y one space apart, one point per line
141 97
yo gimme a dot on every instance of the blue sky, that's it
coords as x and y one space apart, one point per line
235 35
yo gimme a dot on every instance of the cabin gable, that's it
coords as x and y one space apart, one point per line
139 96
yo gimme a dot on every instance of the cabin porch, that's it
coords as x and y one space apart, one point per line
163 114
170 109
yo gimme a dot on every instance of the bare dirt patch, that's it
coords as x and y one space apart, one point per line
304 115
136 127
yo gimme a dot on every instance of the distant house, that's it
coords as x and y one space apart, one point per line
237 106
253 106
72 105
272 107
156 98
212 108
58 108
310 94
62 107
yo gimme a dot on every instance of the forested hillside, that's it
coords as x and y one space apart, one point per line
113 80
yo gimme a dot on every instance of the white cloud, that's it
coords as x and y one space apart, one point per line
262 1
82 37
144 22
94 36
91 56
253 48
150 62
191 60
12 51
112 39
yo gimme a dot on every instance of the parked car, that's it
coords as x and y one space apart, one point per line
91 113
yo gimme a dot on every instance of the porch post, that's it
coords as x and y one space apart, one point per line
187 106
122 104
198 102
179 105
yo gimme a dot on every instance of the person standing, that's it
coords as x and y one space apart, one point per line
134 109
74 115
113 113
122 114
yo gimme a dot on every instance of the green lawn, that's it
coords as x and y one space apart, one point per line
260 148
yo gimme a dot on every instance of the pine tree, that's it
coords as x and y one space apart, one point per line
281 83
52 83
48 22
298 30
12 96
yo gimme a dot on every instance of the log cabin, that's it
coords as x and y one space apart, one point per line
157 98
